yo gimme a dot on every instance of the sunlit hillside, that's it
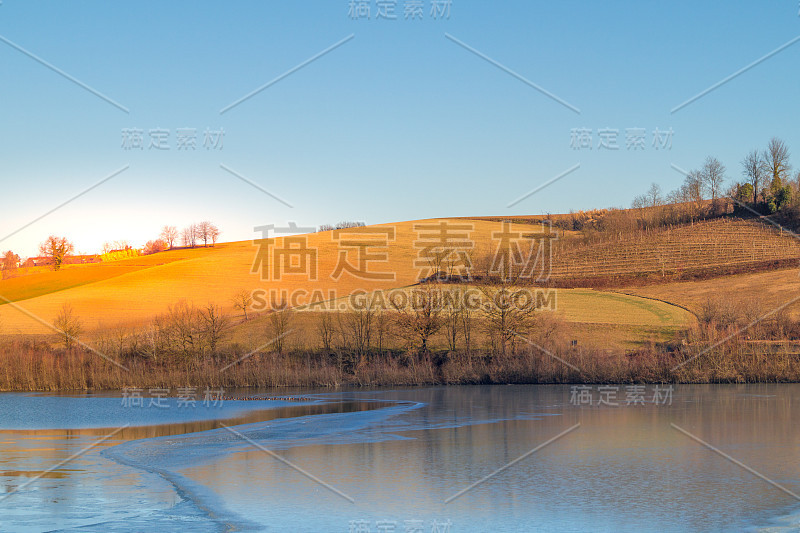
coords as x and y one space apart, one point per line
133 291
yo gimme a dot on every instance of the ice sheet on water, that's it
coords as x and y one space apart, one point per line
167 456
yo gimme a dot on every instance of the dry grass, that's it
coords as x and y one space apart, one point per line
619 337
771 289
132 291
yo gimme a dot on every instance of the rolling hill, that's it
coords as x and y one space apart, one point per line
720 246
133 291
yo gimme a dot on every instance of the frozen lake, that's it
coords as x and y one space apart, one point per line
488 458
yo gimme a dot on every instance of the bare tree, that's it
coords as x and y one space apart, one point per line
214 324
68 325
213 233
280 319
56 248
204 231
357 325
382 328
776 163
713 175
452 316
508 311
169 234
654 196
639 202
420 317
242 300
183 329
694 186
189 236
467 320
753 171
326 329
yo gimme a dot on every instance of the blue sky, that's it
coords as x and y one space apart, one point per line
399 122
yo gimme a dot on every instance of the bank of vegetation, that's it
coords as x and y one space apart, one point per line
427 344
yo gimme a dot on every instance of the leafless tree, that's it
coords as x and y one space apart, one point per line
242 300
508 310
357 325
776 163
421 316
213 233
326 328
753 171
183 329
280 319
382 328
675 197
467 319
694 186
654 196
56 248
345 224
189 236
68 325
169 234
452 319
713 176
214 324
204 231
639 202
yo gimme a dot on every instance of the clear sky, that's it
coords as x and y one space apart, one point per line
406 118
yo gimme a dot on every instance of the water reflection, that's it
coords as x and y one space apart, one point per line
624 469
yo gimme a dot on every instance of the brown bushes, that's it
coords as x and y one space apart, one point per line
733 341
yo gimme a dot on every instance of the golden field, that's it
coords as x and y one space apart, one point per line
132 291
620 333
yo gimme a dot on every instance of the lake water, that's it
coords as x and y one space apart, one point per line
488 458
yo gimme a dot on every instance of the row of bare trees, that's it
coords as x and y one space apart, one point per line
185 332
431 310
767 185
698 186
191 235
345 224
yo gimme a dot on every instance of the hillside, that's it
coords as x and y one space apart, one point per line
703 249
132 292
769 290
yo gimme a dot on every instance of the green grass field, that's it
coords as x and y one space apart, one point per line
602 307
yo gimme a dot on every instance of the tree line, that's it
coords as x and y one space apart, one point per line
767 185
56 249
